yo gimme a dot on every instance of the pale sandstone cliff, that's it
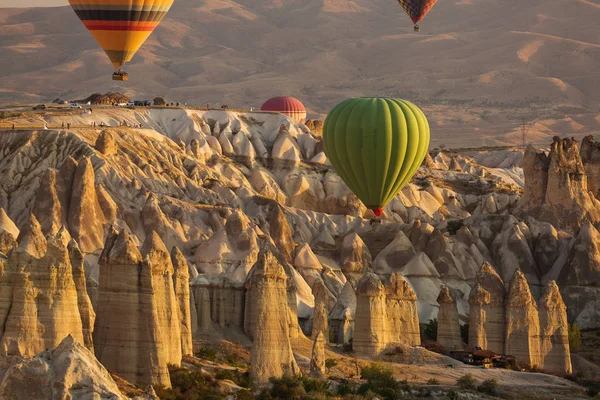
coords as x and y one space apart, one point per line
271 350
554 329
556 186
39 300
70 371
370 320
128 337
317 362
181 284
448 334
488 312
522 323
402 316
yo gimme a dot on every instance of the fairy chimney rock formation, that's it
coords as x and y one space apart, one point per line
157 257
181 283
590 157
556 186
320 321
86 310
128 336
39 300
402 322
7 224
522 323
341 318
85 218
554 331
355 256
448 334
487 313
479 309
317 362
280 232
370 320
272 354
583 263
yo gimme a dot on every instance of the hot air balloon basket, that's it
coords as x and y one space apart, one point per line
120 76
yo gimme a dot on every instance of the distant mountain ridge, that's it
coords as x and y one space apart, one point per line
489 53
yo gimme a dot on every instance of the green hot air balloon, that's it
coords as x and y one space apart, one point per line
376 145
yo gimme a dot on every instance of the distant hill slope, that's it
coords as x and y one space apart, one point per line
501 55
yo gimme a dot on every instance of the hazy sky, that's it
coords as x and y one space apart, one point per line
33 3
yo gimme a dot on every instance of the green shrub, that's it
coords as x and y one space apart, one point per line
489 387
223 374
286 387
454 226
431 329
380 379
330 363
207 353
187 385
452 395
300 388
244 395
230 360
574 337
466 382
433 381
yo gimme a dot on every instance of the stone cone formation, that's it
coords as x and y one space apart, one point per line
534 335
590 157
320 321
70 371
181 283
317 362
556 189
137 328
384 314
487 316
448 334
271 350
401 311
86 311
341 318
554 336
68 197
580 277
355 256
39 302
370 326
522 323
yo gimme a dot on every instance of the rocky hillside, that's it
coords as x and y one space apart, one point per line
112 223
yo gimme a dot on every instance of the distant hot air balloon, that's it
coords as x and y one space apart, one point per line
286 105
121 26
417 9
376 145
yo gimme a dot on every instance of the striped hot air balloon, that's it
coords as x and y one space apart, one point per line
417 9
121 26
289 106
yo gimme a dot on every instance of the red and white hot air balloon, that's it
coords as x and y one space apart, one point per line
286 105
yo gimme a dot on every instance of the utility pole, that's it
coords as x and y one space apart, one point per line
524 131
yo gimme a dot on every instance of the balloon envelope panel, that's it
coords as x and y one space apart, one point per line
287 105
417 9
121 26
376 145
